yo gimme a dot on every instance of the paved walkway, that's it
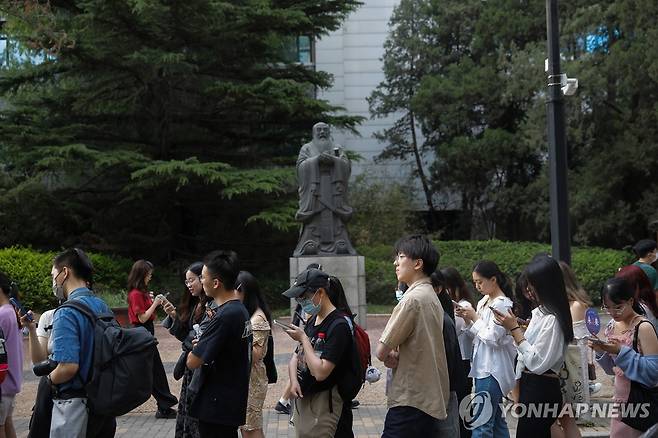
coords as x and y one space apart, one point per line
368 418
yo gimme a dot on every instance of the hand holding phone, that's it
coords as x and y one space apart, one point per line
283 325
21 310
596 340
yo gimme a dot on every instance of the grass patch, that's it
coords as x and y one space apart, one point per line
380 308
114 299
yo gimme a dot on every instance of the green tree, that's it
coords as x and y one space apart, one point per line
407 59
153 122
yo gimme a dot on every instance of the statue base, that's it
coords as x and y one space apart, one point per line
350 270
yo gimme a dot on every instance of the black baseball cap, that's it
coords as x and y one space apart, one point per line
309 279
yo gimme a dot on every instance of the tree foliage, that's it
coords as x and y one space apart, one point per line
151 122
480 102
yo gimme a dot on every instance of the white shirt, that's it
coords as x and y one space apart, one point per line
464 339
45 327
493 347
544 347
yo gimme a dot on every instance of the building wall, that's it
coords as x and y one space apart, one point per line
353 55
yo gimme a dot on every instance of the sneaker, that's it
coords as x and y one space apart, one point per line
355 404
594 388
165 413
282 409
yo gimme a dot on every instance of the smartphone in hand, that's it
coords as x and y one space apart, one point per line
21 310
283 325
596 340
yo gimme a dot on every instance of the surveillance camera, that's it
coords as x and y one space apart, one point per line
569 89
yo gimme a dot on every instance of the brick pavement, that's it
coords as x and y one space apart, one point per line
368 418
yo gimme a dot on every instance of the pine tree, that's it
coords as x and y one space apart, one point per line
151 120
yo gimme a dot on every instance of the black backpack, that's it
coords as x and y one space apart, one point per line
121 376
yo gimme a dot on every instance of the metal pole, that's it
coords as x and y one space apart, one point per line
557 141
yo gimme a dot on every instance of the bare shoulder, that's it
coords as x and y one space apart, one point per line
578 310
647 331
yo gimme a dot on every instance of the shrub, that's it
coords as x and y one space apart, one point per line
592 265
30 269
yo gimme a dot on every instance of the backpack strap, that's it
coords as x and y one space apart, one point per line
80 307
637 331
339 320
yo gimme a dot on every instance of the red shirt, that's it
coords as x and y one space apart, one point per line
138 302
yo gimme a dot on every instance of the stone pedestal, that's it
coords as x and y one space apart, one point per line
350 270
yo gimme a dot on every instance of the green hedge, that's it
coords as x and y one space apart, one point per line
592 265
31 270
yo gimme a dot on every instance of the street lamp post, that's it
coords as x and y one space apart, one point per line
557 141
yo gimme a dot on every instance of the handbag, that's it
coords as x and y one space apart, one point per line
641 395
591 371
268 360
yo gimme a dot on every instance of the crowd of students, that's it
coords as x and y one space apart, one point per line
527 343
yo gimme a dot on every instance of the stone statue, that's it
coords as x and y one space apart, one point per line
323 171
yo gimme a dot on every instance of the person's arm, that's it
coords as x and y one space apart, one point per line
146 316
319 368
295 390
66 346
383 351
38 345
261 331
398 329
211 342
63 373
642 368
547 348
193 361
491 333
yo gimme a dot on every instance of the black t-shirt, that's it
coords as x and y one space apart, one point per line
337 347
225 347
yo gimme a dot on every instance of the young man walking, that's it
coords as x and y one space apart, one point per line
223 352
412 345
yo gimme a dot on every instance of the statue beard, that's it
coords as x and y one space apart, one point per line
323 144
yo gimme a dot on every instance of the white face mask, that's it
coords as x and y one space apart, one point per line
399 294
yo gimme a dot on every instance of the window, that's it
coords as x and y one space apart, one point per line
298 49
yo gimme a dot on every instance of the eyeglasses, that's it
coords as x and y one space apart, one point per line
614 310
300 299
190 282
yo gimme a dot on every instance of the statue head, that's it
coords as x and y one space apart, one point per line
322 136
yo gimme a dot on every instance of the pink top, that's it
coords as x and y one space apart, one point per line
622 385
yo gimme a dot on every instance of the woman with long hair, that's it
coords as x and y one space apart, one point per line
180 320
644 291
323 356
543 345
261 326
618 357
141 313
492 364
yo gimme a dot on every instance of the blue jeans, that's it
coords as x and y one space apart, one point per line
496 426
